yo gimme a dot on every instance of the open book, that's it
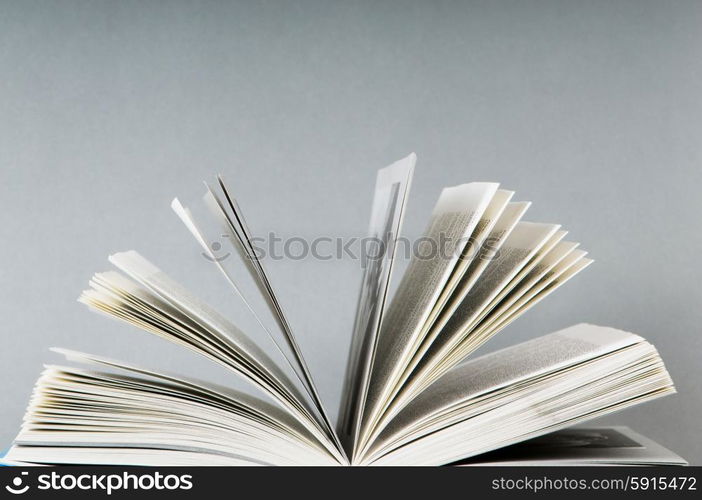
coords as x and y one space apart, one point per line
409 395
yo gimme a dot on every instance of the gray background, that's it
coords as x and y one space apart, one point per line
108 109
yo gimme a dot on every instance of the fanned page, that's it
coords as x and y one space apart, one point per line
521 392
409 395
230 219
391 190
453 220
163 419
158 304
496 400
435 318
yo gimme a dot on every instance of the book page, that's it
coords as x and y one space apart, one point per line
181 317
569 267
203 390
282 347
494 225
76 407
537 406
507 368
479 243
521 245
547 285
501 230
391 191
453 220
232 221
552 271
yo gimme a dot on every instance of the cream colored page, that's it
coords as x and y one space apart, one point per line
501 229
522 244
240 354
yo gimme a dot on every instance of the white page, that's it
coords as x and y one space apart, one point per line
518 303
532 360
541 291
167 412
84 407
492 219
166 322
391 191
491 415
296 370
521 245
539 276
507 366
595 389
232 221
453 220
534 264
496 239
499 233
253 404
255 361
523 242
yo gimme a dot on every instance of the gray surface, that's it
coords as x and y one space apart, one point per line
590 109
